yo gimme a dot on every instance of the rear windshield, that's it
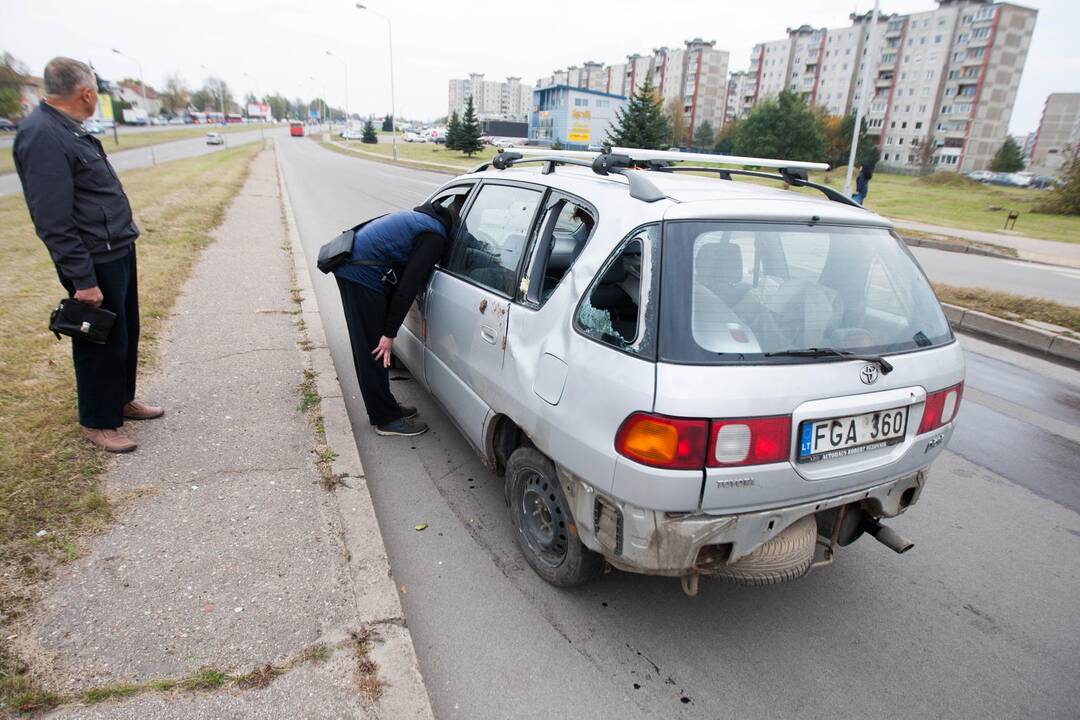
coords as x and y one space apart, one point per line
734 292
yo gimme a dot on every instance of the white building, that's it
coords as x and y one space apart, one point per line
494 100
1058 136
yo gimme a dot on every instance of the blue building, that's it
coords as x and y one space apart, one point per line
574 116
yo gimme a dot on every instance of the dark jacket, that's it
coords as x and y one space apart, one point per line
412 242
75 199
862 184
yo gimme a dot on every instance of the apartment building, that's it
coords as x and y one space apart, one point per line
695 75
946 76
494 100
1058 137
740 95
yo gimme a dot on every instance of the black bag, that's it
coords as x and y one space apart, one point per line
337 252
79 320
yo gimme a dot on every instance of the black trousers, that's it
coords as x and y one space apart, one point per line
365 314
105 374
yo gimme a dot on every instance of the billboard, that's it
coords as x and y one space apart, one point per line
258 110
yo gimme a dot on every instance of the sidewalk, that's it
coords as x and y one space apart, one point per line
229 554
1028 248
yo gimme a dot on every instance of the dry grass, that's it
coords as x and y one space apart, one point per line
48 475
1011 307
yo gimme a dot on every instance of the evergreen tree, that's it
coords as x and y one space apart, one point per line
642 123
1009 158
557 145
369 135
784 128
388 123
469 139
725 139
453 131
704 136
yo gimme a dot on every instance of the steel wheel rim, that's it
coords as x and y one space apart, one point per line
543 521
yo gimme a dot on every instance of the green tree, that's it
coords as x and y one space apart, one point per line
174 98
557 145
837 132
704 136
1065 200
725 139
676 116
279 106
469 138
642 123
369 135
453 131
12 77
784 128
1009 157
388 123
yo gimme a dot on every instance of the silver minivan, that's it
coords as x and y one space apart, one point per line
684 375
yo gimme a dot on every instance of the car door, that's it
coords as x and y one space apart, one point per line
468 303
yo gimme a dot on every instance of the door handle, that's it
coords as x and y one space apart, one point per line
488 333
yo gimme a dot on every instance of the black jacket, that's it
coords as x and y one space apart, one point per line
75 199
428 249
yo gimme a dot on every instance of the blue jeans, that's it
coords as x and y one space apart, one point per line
858 198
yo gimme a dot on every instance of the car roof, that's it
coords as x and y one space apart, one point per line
696 196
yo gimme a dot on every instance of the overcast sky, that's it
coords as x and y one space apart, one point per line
281 45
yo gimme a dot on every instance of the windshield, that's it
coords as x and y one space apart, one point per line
737 292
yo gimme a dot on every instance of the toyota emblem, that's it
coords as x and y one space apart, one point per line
869 374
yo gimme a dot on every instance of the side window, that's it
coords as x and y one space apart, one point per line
618 308
454 199
566 228
493 235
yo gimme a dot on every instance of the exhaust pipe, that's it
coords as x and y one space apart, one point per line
887 536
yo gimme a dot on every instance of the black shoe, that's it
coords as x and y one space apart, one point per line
407 411
405 427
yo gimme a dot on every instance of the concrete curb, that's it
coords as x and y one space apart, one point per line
377 603
1052 345
955 247
414 164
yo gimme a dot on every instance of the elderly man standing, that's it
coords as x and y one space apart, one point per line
81 213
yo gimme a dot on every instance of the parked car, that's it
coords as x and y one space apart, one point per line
411 137
351 134
1044 182
680 375
982 176
440 140
296 129
1011 179
94 127
7 125
214 138
506 143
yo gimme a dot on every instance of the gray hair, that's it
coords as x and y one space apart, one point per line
64 76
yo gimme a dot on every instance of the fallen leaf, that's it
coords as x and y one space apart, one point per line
421 526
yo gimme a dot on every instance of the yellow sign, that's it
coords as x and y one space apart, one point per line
105 107
579 132
581 114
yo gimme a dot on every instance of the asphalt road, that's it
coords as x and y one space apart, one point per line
140 157
1013 276
980 620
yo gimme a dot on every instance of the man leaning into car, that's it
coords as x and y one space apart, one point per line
81 213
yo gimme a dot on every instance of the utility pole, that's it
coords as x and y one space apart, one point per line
262 122
393 111
146 105
871 62
346 66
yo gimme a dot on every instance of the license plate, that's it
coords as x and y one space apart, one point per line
844 436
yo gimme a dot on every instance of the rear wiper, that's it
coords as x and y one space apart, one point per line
885 365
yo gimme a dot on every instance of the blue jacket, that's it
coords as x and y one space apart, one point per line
388 238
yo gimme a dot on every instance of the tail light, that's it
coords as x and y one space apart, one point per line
941 408
749 441
692 444
665 442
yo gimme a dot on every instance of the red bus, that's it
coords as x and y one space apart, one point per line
296 129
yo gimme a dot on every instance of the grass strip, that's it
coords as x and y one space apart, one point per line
422 156
49 486
1011 307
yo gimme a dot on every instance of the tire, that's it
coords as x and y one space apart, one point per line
545 527
787 556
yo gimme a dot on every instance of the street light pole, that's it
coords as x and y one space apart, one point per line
221 92
393 111
146 105
346 66
871 62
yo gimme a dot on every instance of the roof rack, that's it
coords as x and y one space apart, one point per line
619 161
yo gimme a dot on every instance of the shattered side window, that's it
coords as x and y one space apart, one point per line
620 309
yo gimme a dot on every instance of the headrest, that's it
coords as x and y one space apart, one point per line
720 262
615 274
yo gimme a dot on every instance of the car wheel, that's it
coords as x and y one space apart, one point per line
787 556
545 528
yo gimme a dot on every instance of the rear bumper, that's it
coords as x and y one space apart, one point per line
659 543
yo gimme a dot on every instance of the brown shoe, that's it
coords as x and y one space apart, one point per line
112 441
138 410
